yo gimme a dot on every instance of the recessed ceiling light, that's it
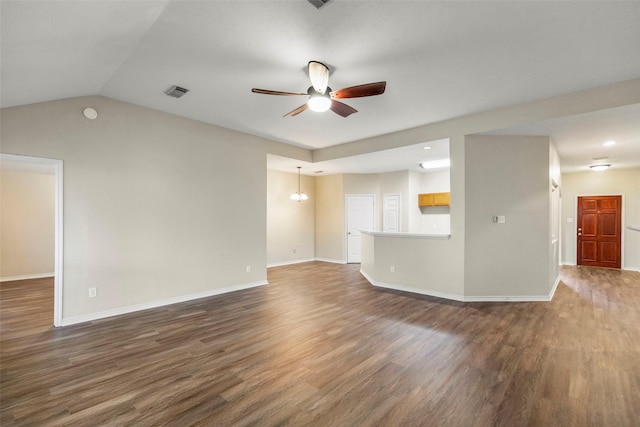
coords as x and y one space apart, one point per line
435 164
599 168
427 147
609 143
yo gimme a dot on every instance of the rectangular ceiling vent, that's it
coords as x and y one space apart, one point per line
318 3
176 91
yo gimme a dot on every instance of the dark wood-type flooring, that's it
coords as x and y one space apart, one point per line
319 346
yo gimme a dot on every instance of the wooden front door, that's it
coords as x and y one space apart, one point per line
599 231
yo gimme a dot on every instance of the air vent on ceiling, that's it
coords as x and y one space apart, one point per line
176 91
318 3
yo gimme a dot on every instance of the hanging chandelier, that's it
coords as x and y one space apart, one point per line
299 195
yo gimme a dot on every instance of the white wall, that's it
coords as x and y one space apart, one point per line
156 207
507 175
290 224
624 182
27 203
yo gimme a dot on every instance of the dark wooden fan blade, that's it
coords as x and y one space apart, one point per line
297 111
275 92
368 89
342 109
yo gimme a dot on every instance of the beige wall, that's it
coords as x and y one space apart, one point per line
329 219
27 202
507 175
156 207
290 224
624 182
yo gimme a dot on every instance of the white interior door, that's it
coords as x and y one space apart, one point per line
391 213
360 216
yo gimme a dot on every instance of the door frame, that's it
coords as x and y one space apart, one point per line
622 223
346 220
58 232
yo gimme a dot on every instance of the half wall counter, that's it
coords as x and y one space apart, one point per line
427 264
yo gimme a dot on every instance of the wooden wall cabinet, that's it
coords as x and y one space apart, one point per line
434 199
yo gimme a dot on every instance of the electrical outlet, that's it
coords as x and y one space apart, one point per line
93 292
248 269
393 269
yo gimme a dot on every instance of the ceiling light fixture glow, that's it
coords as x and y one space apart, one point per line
435 164
609 143
318 102
427 147
599 168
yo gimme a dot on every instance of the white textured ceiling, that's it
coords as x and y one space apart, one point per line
441 59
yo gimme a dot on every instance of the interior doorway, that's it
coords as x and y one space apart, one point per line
360 216
391 213
599 231
57 168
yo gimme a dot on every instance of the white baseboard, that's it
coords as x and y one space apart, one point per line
625 268
464 298
295 261
299 261
430 293
26 277
154 304
334 261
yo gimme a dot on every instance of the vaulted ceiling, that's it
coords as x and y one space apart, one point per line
441 60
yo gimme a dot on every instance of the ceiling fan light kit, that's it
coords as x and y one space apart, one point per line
322 98
318 102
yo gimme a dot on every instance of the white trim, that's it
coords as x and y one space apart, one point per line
300 261
463 298
334 261
408 235
430 293
154 304
58 166
295 261
27 277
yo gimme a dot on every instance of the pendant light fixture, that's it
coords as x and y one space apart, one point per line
299 196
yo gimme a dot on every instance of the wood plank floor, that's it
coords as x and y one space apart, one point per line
319 346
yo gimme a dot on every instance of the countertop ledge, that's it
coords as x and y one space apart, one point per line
407 235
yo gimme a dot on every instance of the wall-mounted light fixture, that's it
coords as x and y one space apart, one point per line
299 195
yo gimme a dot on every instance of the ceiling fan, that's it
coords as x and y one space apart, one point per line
322 98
